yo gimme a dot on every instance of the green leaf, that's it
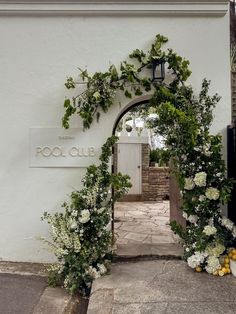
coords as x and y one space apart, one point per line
128 94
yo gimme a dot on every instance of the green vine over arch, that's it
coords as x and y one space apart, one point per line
80 238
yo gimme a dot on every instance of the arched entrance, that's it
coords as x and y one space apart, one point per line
166 205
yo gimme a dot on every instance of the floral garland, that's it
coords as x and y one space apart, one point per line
184 120
81 237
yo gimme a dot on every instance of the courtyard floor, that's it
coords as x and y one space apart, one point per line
142 228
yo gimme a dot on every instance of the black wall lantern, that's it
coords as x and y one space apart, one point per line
158 70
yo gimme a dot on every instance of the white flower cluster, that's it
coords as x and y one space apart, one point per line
212 193
209 230
196 259
84 216
94 273
213 264
200 179
191 218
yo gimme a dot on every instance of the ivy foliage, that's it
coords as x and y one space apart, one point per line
101 87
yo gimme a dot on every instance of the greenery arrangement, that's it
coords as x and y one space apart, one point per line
160 156
81 237
102 87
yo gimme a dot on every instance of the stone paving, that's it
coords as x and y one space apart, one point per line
161 287
142 228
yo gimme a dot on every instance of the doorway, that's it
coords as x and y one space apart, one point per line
142 217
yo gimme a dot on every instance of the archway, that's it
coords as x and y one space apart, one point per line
140 220
184 120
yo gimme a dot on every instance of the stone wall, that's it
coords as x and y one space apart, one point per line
155 186
233 93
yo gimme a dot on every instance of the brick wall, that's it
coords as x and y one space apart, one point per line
233 94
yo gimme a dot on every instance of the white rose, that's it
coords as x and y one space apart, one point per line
200 179
212 194
209 230
84 216
189 184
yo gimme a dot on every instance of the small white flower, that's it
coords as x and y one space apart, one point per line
212 193
200 179
189 184
209 230
202 198
84 216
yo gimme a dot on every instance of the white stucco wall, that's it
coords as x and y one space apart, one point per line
37 53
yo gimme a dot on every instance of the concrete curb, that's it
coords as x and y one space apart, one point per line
53 300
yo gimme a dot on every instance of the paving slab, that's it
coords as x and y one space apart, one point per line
162 286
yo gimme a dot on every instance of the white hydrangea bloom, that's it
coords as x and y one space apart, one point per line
84 216
200 179
213 264
209 230
227 223
196 259
212 193
189 184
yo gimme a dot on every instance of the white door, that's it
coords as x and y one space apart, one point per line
129 162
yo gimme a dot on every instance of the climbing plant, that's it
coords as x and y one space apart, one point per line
80 236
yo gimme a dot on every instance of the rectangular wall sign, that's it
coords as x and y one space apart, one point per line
56 147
